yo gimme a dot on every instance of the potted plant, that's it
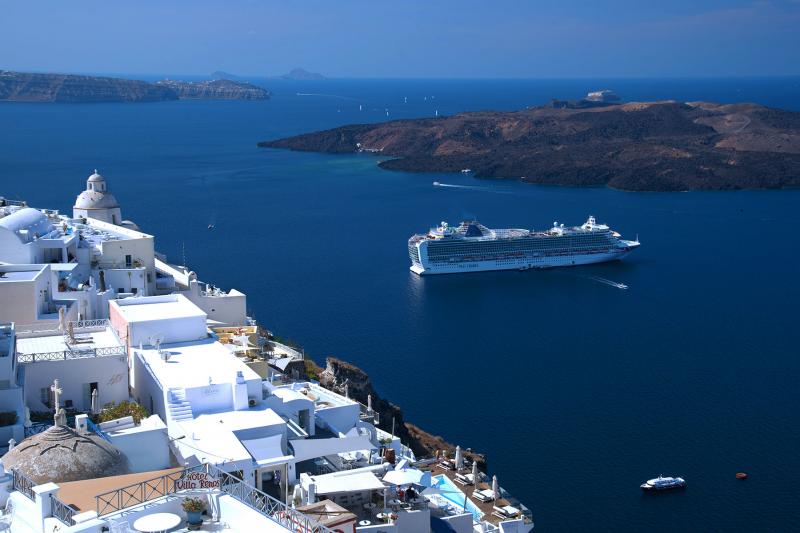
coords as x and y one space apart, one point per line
194 508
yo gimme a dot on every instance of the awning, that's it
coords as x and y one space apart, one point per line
336 482
305 449
266 451
406 477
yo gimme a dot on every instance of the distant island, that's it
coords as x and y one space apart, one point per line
302 74
222 75
71 88
645 146
220 89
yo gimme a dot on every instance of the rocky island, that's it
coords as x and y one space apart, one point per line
71 88
646 146
302 75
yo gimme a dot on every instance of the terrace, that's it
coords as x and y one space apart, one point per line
117 502
487 509
87 338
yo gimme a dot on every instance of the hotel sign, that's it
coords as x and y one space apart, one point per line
196 480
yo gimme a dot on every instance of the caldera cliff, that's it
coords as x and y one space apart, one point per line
647 146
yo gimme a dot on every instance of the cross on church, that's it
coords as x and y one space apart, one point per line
56 394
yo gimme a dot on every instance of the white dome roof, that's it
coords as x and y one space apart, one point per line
96 195
26 223
95 200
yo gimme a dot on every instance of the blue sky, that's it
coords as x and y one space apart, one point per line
466 38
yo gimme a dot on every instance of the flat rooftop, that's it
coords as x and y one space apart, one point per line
195 364
105 338
18 275
151 308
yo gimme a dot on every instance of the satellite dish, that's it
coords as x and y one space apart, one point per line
156 339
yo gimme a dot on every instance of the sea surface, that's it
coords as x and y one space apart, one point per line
577 391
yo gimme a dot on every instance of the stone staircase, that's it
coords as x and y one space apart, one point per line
179 409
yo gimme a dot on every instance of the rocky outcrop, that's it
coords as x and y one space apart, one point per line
69 88
649 146
219 89
338 375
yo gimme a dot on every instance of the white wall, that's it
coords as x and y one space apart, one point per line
229 308
140 248
126 279
147 390
340 417
214 397
413 521
13 251
461 523
146 449
109 372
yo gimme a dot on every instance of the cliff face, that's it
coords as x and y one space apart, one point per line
652 146
26 87
68 88
220 89
338 373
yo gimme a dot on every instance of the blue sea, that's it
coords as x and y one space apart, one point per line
577 391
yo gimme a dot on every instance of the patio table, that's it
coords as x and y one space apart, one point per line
157 522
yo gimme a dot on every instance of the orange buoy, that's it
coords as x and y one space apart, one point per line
741 475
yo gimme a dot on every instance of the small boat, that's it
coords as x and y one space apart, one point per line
211 226
741 475
436 183
664 483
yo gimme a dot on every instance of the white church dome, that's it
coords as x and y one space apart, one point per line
96 195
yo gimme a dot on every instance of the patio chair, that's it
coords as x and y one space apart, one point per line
121 527
465 479
485 495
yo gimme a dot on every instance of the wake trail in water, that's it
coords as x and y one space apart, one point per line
608 282
470 187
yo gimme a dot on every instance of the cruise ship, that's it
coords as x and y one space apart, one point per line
472 247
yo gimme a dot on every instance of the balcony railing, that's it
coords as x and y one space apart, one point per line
62 511
139 493
70 354
23 483
275 510
265 504
368 415
98 324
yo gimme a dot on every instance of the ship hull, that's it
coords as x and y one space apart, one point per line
523 263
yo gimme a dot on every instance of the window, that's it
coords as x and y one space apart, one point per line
134 290
44 395
128 260
120 290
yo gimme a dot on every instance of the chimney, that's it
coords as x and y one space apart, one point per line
240 393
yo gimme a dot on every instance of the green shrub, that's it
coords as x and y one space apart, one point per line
113 411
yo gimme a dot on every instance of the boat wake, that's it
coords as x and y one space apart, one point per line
608 282
469 187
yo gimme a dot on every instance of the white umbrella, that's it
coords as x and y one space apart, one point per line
458 457
475 473
94 402
495 488
404 477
